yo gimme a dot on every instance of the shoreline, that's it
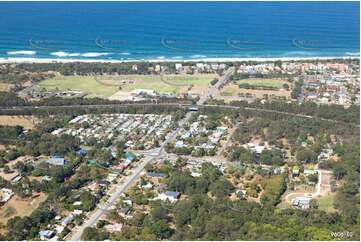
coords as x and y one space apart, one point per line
258 59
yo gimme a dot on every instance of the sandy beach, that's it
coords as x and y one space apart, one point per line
45 60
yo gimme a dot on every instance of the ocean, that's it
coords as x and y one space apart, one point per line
178 30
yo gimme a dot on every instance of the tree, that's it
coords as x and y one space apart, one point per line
6 169
314 203
161 229
158 213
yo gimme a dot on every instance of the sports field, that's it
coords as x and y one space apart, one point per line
86 84
276 83
108 85
229 91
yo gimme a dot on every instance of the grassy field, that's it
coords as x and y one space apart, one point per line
85 84
108 85
19 207
276 83
326 203
229 91
5 86
26 121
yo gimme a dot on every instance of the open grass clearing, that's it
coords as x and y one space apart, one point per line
259 82
5 86
22 207
25 121
86 84
107 85
229 91
326 203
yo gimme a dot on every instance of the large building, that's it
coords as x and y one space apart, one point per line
56 160
301 202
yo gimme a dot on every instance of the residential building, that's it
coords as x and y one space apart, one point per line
46 234
56 160
301 202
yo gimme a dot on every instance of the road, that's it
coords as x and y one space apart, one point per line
183 105
318 191
222 80
227 142
303 88
99 212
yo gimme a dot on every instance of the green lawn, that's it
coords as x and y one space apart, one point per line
85 84
326 203
229 91
89 85
276 83
189 80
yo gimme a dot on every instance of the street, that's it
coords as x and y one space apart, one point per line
99 212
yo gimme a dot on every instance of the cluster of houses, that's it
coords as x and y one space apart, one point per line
340 89
296 171
256 147
199 67
298 67
325 155
214 136
35 92
132 128
55 228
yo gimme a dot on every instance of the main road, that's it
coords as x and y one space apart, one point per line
133 177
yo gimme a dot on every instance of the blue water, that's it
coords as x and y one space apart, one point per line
178 30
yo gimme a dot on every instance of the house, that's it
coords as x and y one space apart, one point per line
278 170
168 195
46 178
129 157
295 171
91 162
185 135
67 220
128 202
114 227
124 211
111 177
82 151
196 174
240 166
8 194
77 203
157 175
309 172
138 92
179 144
147 186
265 169
103 183
159 165
77 212
179 67
46 234
56 160
301 202
16 179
